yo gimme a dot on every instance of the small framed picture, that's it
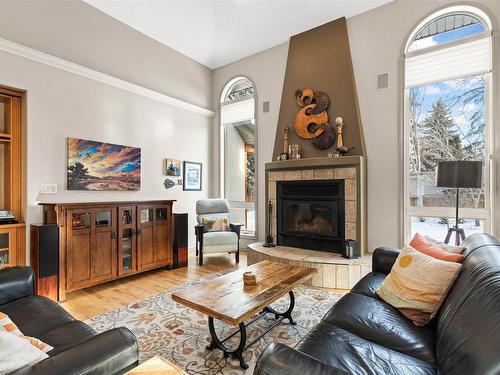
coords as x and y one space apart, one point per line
192 176
172 167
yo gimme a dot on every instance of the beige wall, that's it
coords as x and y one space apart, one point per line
78 32
376 41
267 71
62 104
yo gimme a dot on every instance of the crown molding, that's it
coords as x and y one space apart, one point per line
56 62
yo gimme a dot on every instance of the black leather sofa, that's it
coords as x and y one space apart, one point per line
361 334
78 349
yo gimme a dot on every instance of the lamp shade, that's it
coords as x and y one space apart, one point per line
459 174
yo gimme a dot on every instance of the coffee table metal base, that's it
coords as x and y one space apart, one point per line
238 353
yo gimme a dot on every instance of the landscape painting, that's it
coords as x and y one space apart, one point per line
103 166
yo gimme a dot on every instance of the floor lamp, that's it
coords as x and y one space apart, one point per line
459 174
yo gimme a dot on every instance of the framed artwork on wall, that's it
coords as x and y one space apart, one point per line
103 166
173 167
192 176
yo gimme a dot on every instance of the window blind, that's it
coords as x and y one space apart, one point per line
237 112
457 61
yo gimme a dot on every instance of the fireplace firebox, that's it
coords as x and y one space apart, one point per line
311 214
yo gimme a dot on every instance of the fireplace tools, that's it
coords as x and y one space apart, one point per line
269 238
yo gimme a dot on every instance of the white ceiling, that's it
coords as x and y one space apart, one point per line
218 32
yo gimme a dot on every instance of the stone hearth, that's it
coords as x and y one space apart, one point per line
334 271
350 169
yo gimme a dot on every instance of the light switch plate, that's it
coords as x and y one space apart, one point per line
48 188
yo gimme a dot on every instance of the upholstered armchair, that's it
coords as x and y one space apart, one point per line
220 241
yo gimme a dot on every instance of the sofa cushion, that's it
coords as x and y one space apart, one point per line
419 243
17 353
35 315
377 321
418 284
67 335
344 350
369 284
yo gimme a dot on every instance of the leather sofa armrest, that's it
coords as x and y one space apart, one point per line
236 228
279 359
383 259
16 283
111 352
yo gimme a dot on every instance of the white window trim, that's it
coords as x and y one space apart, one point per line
222 150
487 213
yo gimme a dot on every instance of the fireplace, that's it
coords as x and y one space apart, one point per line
311 214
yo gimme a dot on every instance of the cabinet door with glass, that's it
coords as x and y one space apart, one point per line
127 240
7 247
145 237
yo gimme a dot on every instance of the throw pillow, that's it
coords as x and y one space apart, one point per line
418 284
442 245
215 224
17 353
7 325
419 243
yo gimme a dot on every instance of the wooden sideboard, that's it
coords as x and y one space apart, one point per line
104 241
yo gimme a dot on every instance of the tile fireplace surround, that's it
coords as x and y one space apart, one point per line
351 169
333 270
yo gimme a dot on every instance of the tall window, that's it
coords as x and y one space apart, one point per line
447 96
238 168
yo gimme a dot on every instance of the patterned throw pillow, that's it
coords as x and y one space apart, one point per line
215 224
7 325
419 243
442 245
418 284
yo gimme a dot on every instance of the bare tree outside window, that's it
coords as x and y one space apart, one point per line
446 123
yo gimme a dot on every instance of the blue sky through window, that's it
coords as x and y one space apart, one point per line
447 36
449 92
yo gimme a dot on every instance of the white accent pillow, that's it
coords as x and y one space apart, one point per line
17 352
442 245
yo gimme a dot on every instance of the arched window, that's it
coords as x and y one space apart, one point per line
238 150
448 65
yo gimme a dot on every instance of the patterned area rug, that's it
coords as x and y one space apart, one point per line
180 334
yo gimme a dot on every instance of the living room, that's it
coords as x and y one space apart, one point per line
238 187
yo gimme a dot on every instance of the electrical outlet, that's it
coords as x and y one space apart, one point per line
48 188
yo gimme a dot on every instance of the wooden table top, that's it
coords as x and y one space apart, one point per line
157 366
226 297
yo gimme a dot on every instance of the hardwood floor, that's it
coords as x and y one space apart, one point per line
86 303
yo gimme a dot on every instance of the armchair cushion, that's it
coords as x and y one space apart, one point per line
218 242
215 224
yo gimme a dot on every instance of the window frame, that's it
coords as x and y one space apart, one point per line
487 213
222 149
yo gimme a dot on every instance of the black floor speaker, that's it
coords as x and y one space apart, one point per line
180 240
44 249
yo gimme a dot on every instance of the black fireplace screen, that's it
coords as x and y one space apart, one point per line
311 214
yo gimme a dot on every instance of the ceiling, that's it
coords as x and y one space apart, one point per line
218 32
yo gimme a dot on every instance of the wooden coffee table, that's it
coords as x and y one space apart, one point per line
226 298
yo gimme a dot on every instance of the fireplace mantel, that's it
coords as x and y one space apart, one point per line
341 161
351 169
